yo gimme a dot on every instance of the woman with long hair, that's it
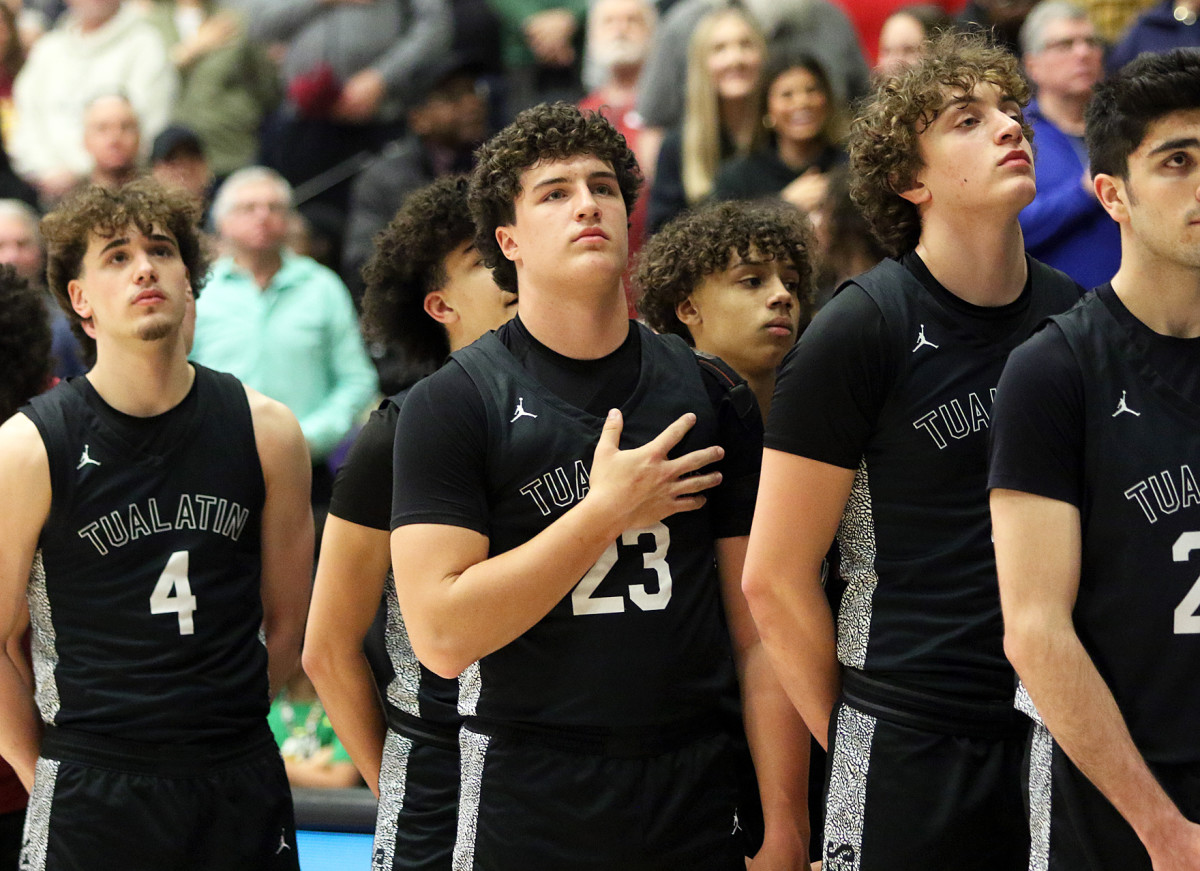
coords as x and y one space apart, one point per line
720 119
805 127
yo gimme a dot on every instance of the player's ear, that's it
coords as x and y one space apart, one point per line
1113 195
507 242
687 312
438 308
78 300
917 194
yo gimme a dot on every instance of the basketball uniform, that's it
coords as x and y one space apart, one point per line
1134 427
925 746
597 739
418 779
150 665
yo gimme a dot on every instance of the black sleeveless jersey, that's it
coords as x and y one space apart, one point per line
1138 607
922 601
641 640
144 596
412 688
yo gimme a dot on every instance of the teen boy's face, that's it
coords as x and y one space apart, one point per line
132 285
747 314
570 223
1159 200
473 293
975 155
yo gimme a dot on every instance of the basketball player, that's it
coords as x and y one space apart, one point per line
1095 458
735 281
427 292
557 519
878 435
156 515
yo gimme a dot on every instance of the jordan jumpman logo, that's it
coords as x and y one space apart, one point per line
520 411
1121 406
85 460
921 340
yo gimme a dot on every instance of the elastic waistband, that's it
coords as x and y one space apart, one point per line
418 729
169 760
932 712
620 744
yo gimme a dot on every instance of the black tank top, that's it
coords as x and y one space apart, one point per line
144 595
1138 607
641 640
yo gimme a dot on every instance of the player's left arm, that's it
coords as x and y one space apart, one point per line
776 734
1038 545
287 532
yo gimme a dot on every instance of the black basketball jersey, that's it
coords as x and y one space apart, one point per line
922 601
412 688
640 640
144 595
1138 607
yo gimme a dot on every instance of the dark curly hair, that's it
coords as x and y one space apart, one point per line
24 342
550 131
1128 102
677 259
143 203
408 263
884 153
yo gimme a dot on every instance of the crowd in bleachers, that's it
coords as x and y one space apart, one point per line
304 125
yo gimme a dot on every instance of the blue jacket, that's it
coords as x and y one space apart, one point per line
1155 30
1065 226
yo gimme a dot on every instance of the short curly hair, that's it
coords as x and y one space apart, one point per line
408 263
885 155
143 203
24 342
550 131
677 259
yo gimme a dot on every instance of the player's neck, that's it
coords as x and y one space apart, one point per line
762 386
580 326
973 258
1162 295
145 380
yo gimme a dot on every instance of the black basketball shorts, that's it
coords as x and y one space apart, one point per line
102 804
1073 827
560 803
908 790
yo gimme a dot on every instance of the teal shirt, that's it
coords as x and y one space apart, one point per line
297 341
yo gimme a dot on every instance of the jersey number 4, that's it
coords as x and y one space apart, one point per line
173 594
1187 621
584 602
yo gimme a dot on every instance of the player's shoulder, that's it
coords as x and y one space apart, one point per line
20 439
24 464
1052 282
275 426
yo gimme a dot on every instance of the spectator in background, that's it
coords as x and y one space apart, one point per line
112 138
348 67
227 83
1113 17
1167 25
903 35
98 47
540 44
721 119
21 248
280 322
178 159
447 120
815 27
618 40
1000 19
804 134
1065 225
312 752
845 244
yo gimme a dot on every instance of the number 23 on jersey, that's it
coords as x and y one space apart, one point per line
583 598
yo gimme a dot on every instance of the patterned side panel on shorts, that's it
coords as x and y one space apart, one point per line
1024 704
856 539
847 800
43 644
404 691
470 684
1041 751
393 781
37 816
472 748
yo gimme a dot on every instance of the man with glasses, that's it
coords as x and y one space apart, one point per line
1065 226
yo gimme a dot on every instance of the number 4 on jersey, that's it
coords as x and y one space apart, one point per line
173 594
